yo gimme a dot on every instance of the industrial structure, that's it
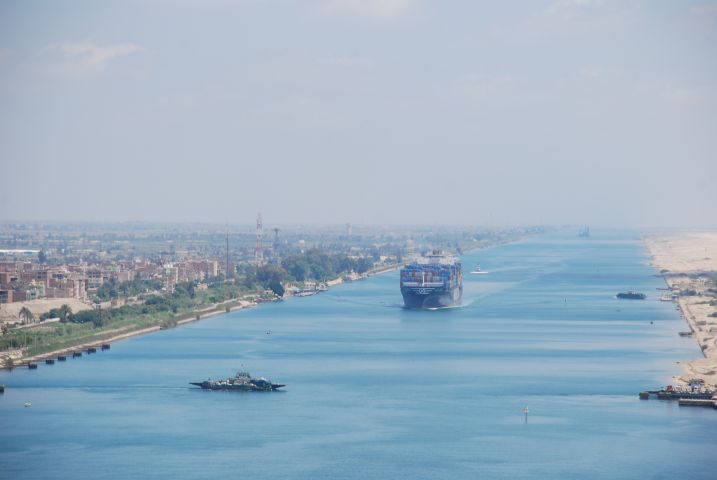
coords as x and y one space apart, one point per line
258 249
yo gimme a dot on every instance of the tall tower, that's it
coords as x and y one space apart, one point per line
227 267
258 253
348 229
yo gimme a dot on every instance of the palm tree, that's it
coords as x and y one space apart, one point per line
26 315
65 312
8 363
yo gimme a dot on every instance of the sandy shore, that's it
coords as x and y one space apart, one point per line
688 261
10 312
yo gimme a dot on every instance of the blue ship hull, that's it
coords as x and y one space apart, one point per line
436 284
422 297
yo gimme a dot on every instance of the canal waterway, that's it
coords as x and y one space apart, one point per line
376 391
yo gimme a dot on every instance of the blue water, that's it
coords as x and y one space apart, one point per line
375 391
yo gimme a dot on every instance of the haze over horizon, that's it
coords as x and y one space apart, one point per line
369 112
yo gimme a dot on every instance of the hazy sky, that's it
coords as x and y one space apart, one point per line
368 111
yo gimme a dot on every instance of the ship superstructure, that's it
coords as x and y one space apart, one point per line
435 281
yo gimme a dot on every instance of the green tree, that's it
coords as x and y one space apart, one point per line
277 288
26 315
64 313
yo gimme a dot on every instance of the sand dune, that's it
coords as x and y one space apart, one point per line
691 263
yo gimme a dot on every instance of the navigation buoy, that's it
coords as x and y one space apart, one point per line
525 411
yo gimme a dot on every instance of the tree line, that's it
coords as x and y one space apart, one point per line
310 265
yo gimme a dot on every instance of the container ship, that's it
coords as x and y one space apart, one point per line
435 282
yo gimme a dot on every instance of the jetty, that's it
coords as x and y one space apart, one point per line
694 402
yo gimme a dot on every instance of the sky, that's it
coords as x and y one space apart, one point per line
365 111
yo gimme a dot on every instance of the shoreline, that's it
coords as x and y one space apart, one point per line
190 318
685 265
194 317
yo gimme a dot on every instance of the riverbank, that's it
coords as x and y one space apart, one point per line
688 263
20 357
110 336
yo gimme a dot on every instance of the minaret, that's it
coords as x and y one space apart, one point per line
227 267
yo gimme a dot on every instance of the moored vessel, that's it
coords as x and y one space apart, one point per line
630 295
694 390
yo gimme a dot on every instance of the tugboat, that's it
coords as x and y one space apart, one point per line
631 295
242 382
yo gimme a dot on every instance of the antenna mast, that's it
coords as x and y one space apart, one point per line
258 253
275 246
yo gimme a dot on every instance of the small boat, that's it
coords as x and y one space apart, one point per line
49 361
478 270
305 293
28 404
105 346
32 366
61 358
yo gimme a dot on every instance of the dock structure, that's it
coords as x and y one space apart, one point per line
33 362
695 394
696 402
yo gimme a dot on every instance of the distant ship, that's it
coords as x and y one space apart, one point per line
584 232
437 282
631 295
478 270
242 382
